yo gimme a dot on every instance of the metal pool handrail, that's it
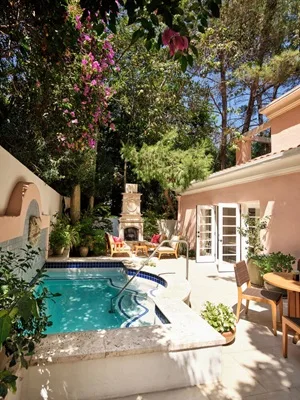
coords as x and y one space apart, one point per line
112 308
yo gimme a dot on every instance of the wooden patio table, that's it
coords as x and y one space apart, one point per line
285 280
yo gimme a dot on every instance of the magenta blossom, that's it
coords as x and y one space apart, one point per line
94 82
92 143
174 40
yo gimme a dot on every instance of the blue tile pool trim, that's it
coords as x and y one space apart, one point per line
161 316
95 264
149 276
84 264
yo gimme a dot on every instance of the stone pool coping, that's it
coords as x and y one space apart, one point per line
186 330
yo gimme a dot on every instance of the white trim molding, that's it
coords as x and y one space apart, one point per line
284 163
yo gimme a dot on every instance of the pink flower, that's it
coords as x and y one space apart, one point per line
168 35
87 38
72 114
38 84
174 41
74 121
84 62
65 111
76 88
96 65
65 100
92 143
112 127
94 82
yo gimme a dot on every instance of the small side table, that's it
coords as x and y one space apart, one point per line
141 248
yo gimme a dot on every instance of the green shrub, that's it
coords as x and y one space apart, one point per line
251 231
220 316
23 317
150 224
274 262
63 234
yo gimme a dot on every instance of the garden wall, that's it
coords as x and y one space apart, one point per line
26 207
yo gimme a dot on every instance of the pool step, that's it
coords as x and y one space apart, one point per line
138 310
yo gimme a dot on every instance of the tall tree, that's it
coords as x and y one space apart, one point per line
252 52
171 166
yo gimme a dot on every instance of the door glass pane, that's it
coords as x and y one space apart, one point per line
229 239
230 259
229 211
231 221
229 250
229 230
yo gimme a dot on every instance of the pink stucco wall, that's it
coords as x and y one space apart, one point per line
286 130
279 198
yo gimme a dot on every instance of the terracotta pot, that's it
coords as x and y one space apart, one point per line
254 273
58 251
83 251
229 336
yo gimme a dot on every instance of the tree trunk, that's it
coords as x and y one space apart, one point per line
91 202
75 203
250 106
125 174
93 189
170 203
223 90
259 106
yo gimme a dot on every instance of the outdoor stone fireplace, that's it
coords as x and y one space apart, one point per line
131 222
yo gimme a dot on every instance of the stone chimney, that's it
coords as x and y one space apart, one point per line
131 222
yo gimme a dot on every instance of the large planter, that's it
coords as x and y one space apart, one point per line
229 336
254 273
58 251
83 251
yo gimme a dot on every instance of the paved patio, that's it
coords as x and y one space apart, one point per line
253 367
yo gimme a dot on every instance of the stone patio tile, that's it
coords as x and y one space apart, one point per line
194 393
236 381
289 394
271 371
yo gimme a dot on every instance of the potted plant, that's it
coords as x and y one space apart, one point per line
222 318
251 230
274 262
63 234
85 244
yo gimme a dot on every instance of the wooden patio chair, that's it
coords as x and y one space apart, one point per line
172 250
113 247
255 294
292 323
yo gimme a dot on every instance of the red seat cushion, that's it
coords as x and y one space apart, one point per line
117 239
155 238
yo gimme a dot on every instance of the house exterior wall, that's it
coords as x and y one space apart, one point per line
285 130
26 207
12 172
279 198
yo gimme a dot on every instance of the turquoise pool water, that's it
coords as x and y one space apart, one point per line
84 303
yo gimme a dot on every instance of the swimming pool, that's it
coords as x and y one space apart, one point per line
86 293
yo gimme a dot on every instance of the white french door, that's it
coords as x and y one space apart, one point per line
229 243
206 234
